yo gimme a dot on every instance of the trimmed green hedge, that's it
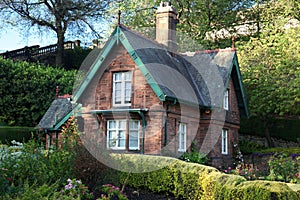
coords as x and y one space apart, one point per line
194 181
27 90
19 134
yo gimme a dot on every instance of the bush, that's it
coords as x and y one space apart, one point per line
27 90
284 168
194 181
19 134
248 147
194 156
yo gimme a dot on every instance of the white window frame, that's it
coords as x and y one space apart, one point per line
134 130
124 80
117 129
224 141
182 130
226 100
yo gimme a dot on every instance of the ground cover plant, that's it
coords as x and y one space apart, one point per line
29 171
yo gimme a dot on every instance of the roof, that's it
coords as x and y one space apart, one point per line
199 78
58 112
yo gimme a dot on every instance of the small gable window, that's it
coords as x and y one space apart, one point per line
224 141
119 130
226 100
122 88
182 137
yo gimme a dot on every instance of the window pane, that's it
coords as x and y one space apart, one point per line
122 125
112 139
117 76
133 143
182 137
134 125
112 124
128 76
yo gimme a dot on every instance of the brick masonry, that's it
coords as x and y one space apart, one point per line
204 127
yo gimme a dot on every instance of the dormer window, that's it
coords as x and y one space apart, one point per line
226 100
122 88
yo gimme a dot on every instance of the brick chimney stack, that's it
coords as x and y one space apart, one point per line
166 21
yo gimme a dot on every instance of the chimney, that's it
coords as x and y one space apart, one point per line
166 25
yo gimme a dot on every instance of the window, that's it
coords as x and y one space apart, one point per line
117 134
226 100
182 137
224 141
122 88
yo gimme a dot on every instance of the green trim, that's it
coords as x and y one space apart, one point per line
149 78
66 117
240 80
96 65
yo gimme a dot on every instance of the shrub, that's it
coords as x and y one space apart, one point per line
194 181
248 147
28 89
284 168
112 192
194 156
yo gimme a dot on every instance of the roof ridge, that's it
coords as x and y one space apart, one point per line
142 35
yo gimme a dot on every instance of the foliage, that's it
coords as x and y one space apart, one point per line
290 151
64 18
75 189
30 164
73 58
197 19
270 65
248 147
193 181
25 90
20 134
70 134
194 156
112 192
284 128
283 167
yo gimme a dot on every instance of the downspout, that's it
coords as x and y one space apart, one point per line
167 121
144 124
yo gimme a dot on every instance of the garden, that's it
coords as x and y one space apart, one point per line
29 171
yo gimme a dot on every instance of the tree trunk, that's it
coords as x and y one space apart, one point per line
60 49
267 134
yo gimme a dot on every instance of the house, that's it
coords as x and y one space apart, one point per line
142 96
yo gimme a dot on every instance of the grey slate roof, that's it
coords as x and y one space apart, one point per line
200 78
58 109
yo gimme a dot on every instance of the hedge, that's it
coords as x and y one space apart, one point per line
27 90
19 134
194 181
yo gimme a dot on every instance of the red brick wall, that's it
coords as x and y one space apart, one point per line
205 132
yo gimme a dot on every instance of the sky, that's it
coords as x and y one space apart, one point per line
12 39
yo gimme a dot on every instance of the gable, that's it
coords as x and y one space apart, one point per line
142 94
198 79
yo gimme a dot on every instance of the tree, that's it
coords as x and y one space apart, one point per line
270 66
60 16
197 18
